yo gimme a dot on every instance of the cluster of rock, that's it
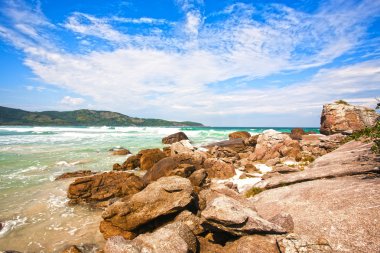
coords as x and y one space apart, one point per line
191 199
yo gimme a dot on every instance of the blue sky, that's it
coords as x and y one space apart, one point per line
222 63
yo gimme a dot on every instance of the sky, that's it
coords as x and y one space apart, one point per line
221 63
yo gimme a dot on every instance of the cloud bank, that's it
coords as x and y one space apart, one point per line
202 64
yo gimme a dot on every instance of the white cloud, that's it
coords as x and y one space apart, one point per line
70 101
169 72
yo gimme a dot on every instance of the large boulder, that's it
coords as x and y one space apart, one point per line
174 138
104 186
272 144
131 163
296 133
343 210
174 237
239 134
165 196
168 167
232 216
217 168
148 157
318 144
180 147
346 119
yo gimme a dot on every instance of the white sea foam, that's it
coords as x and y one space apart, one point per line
12 224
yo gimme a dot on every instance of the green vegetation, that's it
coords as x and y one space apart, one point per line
16 117
366 135
341 102
253 191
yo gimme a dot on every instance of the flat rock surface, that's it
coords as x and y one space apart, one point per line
344 211
349 159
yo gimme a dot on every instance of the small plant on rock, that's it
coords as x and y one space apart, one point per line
253 191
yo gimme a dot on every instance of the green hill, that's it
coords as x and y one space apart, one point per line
11 116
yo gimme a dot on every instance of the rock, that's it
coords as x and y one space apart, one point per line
104 186
284 169
205 246
174 237
343 210
117 167
108 230
198 178
174 138
131 163
72 249
272 144
222 152
218 169
181 147
292 243
235 144
318 144
195 158
239 134
167 151
79 173
149 157
253 243
284 220
192 221
346 119
252 141
343 161
121 151
168 167
229 215
296 133
165 196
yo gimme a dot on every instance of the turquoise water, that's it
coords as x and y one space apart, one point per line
33 205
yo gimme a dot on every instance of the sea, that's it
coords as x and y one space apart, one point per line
34 213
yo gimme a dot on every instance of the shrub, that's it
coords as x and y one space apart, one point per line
341 102
367 134
253 191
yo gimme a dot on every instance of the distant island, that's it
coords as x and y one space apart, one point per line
84 117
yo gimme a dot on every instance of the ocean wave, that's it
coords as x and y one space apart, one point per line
12 224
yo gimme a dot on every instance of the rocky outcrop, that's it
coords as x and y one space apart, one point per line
239 135
165 196
216 168
79 173
175 237
342 210
346 119
104 186
350 159
316 145
174 138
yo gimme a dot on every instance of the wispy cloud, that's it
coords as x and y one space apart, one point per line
71 101
171 69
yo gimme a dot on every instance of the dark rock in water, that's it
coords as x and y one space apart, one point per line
218 169
79 173
149 157
121 151
296 133
239 135
167 195
104 186
175 237
174 138
346 119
